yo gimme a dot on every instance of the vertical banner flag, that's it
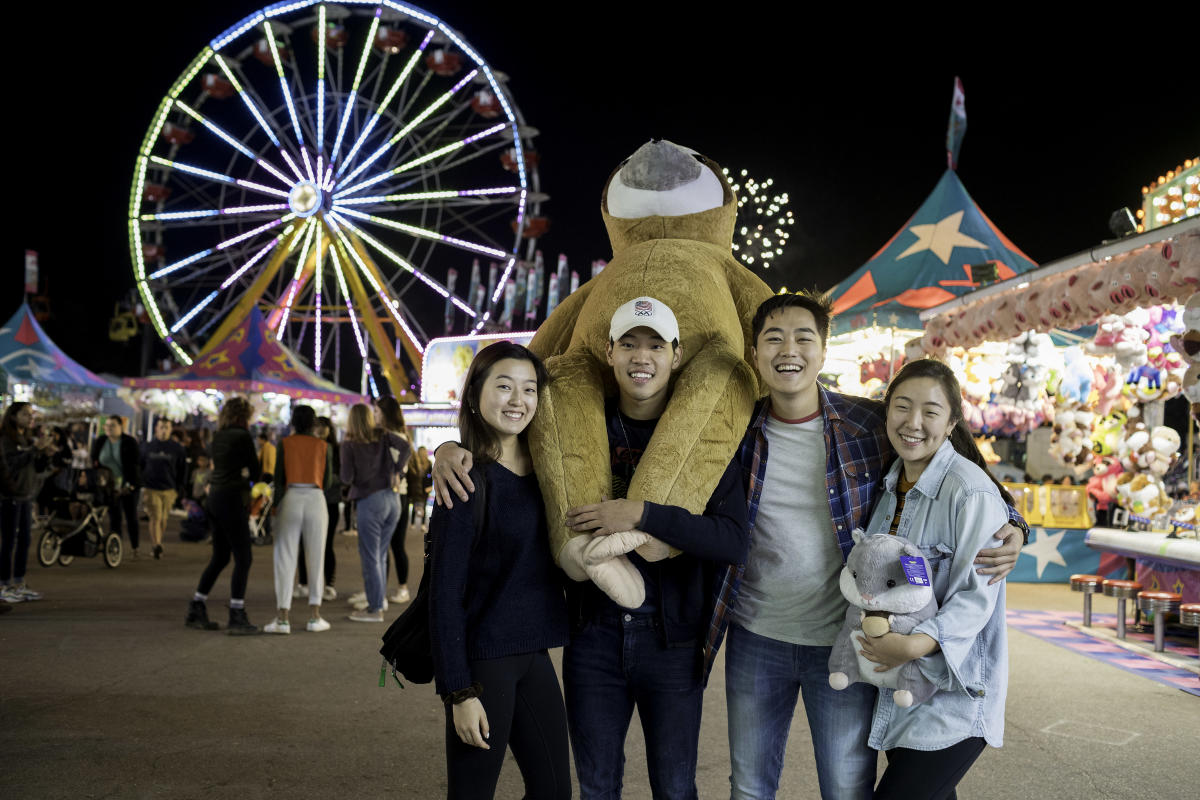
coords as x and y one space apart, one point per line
552 296
574 282
957 128
519 300
531 298
598 267
493 272
451 279
31 272
510 296
481 301
472 293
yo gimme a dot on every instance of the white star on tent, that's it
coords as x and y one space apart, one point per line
941 238
1045 549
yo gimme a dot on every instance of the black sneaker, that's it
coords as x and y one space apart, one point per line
158 551
239 623
197 617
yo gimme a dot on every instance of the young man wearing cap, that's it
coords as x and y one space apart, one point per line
647 657
828 452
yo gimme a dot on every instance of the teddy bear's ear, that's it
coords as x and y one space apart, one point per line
911 549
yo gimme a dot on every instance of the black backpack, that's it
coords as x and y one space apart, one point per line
406 643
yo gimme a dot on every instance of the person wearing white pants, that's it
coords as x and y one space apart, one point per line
303 467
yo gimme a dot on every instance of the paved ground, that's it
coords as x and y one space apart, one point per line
106 695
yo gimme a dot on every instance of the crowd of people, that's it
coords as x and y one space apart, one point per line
206 477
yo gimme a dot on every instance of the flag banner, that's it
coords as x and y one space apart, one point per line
31 271
451 279
957 127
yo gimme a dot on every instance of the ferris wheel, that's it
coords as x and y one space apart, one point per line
334 164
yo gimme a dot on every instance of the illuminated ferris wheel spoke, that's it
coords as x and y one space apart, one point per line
424 233
278 318
321 38
186 318
240 271
283 84
407 129
382 107
317 305
178 265
416 162
404 264
483 196
233 211
246 99
362 64
252 233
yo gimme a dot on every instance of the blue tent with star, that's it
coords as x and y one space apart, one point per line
926 263
28 355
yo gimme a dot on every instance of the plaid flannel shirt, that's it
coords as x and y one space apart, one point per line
857 454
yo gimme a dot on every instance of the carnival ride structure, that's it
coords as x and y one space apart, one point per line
331 164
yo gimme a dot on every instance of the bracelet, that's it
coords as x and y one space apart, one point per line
454 698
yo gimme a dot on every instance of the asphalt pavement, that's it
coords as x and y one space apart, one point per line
105 694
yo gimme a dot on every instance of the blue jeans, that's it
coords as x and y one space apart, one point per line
613 664
763 677
377 516
16 521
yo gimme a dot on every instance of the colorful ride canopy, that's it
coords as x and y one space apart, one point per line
28 355
248 360
926 263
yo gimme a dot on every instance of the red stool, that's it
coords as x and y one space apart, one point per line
1122 590
1189 614
1089 585
1161 604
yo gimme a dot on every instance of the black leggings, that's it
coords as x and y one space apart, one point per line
330 558
231 536
525 712
125 504
931 774
398 552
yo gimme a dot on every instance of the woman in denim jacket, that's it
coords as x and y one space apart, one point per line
939 495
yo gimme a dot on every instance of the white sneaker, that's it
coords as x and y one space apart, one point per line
363 605
27 593
9 594
330 594
317 625
275 626
401 595
357 597
300 592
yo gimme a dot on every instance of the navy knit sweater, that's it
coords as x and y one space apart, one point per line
502 596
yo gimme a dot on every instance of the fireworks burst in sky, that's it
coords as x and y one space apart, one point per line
762 222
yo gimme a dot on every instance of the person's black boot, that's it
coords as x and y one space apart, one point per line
239 623
197 617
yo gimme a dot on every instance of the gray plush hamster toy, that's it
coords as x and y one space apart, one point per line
884 597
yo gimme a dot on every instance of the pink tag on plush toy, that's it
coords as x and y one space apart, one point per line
914 570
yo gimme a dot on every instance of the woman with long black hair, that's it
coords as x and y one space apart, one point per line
22 460
496 601
235 465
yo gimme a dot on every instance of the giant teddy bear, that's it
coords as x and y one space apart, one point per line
670 216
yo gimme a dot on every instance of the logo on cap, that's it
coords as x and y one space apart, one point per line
643 308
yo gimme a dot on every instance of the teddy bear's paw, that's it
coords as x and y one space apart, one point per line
838 680
620 580
571 557
903 698
654 550
603 548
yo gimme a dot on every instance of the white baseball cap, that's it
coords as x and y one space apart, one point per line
644 312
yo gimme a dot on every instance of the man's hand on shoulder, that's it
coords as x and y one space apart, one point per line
450 467
999 561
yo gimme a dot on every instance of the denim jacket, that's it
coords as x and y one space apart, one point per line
950 513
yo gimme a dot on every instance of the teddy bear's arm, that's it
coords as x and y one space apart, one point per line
569 442
699 432
554 335
749 291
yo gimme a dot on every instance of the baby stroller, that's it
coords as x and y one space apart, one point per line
194 527
260 507
76 526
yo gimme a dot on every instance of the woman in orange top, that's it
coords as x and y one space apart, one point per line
303 468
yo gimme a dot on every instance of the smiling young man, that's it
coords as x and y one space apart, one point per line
828 453
649 657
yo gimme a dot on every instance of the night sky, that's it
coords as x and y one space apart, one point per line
846 115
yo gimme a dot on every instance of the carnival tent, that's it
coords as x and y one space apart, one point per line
28 355
250 359
926 263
